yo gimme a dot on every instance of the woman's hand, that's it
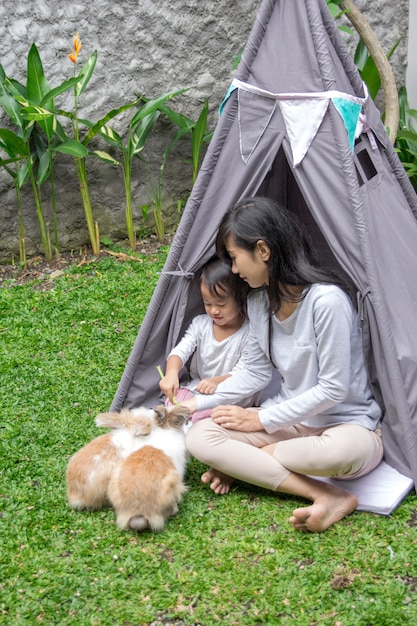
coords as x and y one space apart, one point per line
237 418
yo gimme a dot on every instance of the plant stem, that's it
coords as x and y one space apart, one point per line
22 244
85 196
54 215
127 177
46 242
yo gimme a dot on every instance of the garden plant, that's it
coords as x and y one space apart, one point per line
64 341
38 135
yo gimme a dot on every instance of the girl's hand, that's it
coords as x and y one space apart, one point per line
169 386
237 418
207 386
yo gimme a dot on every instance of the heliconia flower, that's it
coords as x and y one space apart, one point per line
75 50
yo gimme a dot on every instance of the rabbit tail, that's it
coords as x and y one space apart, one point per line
145 490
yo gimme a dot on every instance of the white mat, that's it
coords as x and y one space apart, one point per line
380 491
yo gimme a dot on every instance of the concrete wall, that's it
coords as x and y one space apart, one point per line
143 46
411 75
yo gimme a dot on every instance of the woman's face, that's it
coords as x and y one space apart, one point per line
252 267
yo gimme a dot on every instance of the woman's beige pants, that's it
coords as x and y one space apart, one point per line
343 451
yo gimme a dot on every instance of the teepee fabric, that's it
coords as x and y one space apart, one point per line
297 126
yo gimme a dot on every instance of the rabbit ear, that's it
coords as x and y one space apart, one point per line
180 411
172 417
109 420
160 414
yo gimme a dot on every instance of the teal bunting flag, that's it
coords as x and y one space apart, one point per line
349 112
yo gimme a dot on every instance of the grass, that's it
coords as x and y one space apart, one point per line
223 560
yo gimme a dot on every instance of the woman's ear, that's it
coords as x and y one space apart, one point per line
263 250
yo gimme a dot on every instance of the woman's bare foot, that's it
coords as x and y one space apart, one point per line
327 508
220 483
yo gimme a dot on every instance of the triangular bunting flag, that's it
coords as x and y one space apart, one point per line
302 120
349 112
254 116
227 96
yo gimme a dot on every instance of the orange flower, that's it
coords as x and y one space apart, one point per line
75 50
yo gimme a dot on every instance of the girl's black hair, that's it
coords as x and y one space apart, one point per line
292 261
219 279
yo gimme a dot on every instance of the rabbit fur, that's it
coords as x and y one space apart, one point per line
91 469
147 486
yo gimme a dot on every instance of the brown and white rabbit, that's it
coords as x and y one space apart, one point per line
146 487
89 470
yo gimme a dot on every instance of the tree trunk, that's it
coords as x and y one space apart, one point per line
384 68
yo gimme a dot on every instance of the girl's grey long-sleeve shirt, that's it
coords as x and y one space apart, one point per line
319 356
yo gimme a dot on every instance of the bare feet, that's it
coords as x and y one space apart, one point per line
329 507
220 483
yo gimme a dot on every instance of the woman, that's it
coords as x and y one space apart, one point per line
323 421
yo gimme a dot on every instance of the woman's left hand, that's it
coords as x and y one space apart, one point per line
237 418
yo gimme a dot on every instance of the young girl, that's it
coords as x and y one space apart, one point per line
323 420
217 341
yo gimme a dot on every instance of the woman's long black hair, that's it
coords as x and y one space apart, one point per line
292 261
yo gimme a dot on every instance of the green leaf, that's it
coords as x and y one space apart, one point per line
18 91
333 8
151 105
72 147
368 69
86 73
15 144
103 121
8 102
346 29
237 59
370 76
35 113
178 119
104 156
110 135
37 85
141 133
43 168
63 113
23 174
361 55
59 131
62 88
410 135
5 162
199 133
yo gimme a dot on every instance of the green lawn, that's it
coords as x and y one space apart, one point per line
231 560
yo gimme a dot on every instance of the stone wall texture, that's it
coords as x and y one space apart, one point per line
143 46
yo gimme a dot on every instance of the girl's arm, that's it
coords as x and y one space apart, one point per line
209 385
244 383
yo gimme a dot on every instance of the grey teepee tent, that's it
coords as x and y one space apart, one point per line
297 126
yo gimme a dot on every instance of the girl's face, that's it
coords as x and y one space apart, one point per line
222 309
251 266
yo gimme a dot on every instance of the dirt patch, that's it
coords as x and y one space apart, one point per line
39 269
